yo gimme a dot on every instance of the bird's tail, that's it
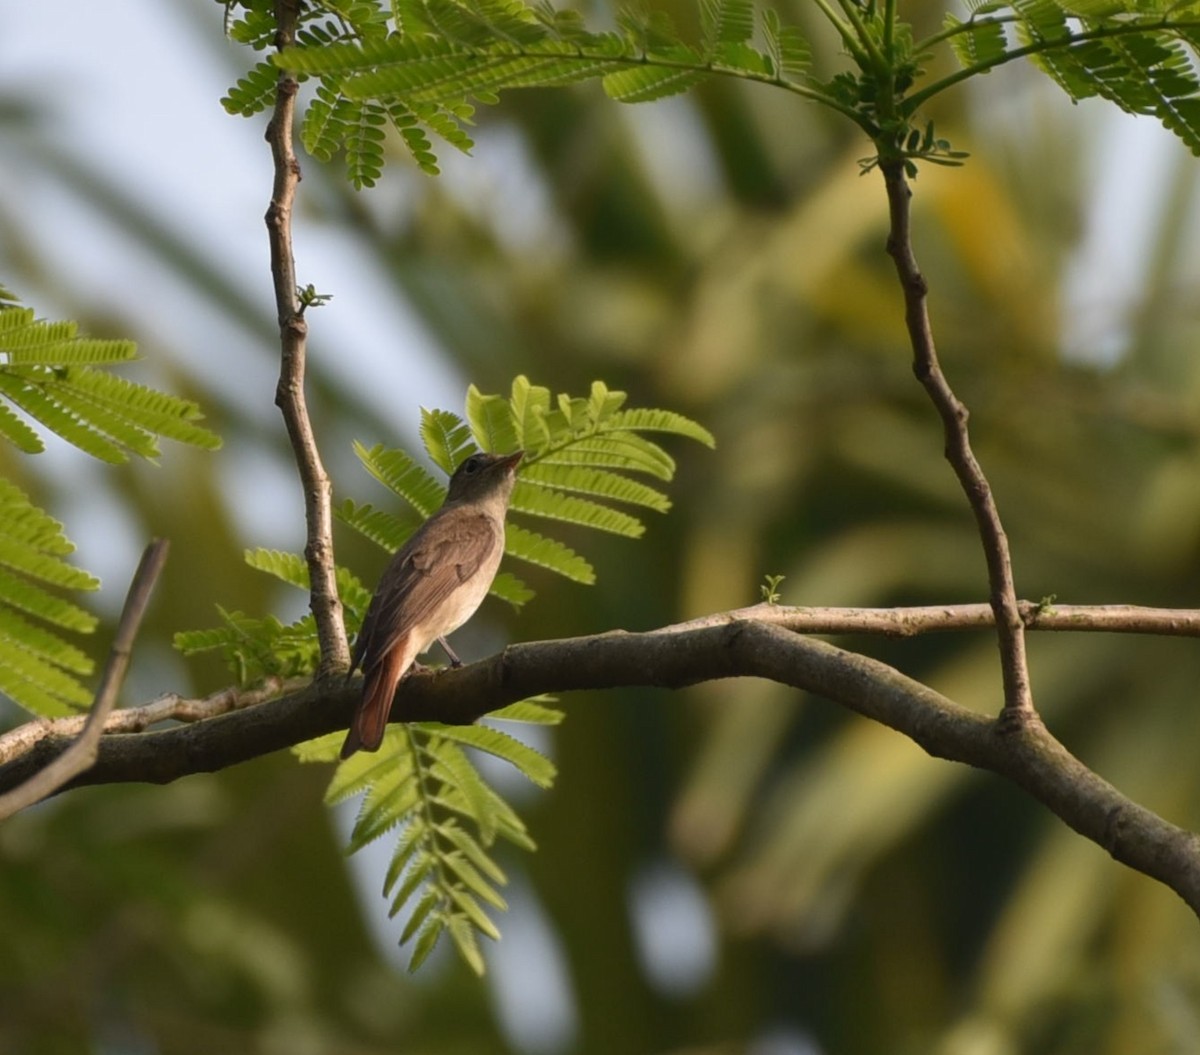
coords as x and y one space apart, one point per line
379 687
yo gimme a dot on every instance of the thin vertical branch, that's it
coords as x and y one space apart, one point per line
82 754
289 395
1010 628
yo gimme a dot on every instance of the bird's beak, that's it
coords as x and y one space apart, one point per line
511 460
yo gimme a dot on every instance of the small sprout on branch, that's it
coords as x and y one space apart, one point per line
1046 605
310 298
770 588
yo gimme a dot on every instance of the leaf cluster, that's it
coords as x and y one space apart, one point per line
51 375
583 457
423 784
39 669
1139 54
258 648
420 67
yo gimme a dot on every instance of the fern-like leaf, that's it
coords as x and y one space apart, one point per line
547 553
554 505
397 471
254 92
39 669
447 438
492 421
421 785
50 372
254 649
726 22
389 530
645 84
533 765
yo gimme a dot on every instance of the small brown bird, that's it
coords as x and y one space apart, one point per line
433 585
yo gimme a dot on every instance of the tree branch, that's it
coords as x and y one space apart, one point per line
289 395
721 646
892 622
1010 628
81 754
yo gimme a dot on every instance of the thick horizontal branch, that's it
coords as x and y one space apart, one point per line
717 647
898 622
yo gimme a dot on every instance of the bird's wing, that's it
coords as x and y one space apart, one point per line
437 559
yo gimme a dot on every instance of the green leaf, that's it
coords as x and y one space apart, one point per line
388 530
509 588
470 848
451 767
644 84
598 483
425 943
530 404
553 505
547 553
14 429
397 471
532 764
471 878
726 21
289 567
254 92
447 438
467 944
320 749
492 422
647 420
532 710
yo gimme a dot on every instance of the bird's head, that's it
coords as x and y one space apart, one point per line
484 476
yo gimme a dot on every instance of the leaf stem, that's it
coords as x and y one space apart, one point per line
844 31
871 57
293 335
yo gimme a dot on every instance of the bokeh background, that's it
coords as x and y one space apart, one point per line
733 869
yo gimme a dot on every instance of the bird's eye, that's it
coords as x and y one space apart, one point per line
472 463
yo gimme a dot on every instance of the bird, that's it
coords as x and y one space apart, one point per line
432 585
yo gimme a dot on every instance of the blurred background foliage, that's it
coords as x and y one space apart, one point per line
732 869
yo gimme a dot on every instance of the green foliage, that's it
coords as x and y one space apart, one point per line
1139 55
423 784
48 371
254 649
38 668
578 452
56 378
420 66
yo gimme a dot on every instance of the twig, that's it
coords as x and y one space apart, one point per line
1010 628
672 658
82 753
289 395
169 707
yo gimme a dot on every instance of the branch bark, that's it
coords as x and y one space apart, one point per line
289 394
720 646
1010 628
